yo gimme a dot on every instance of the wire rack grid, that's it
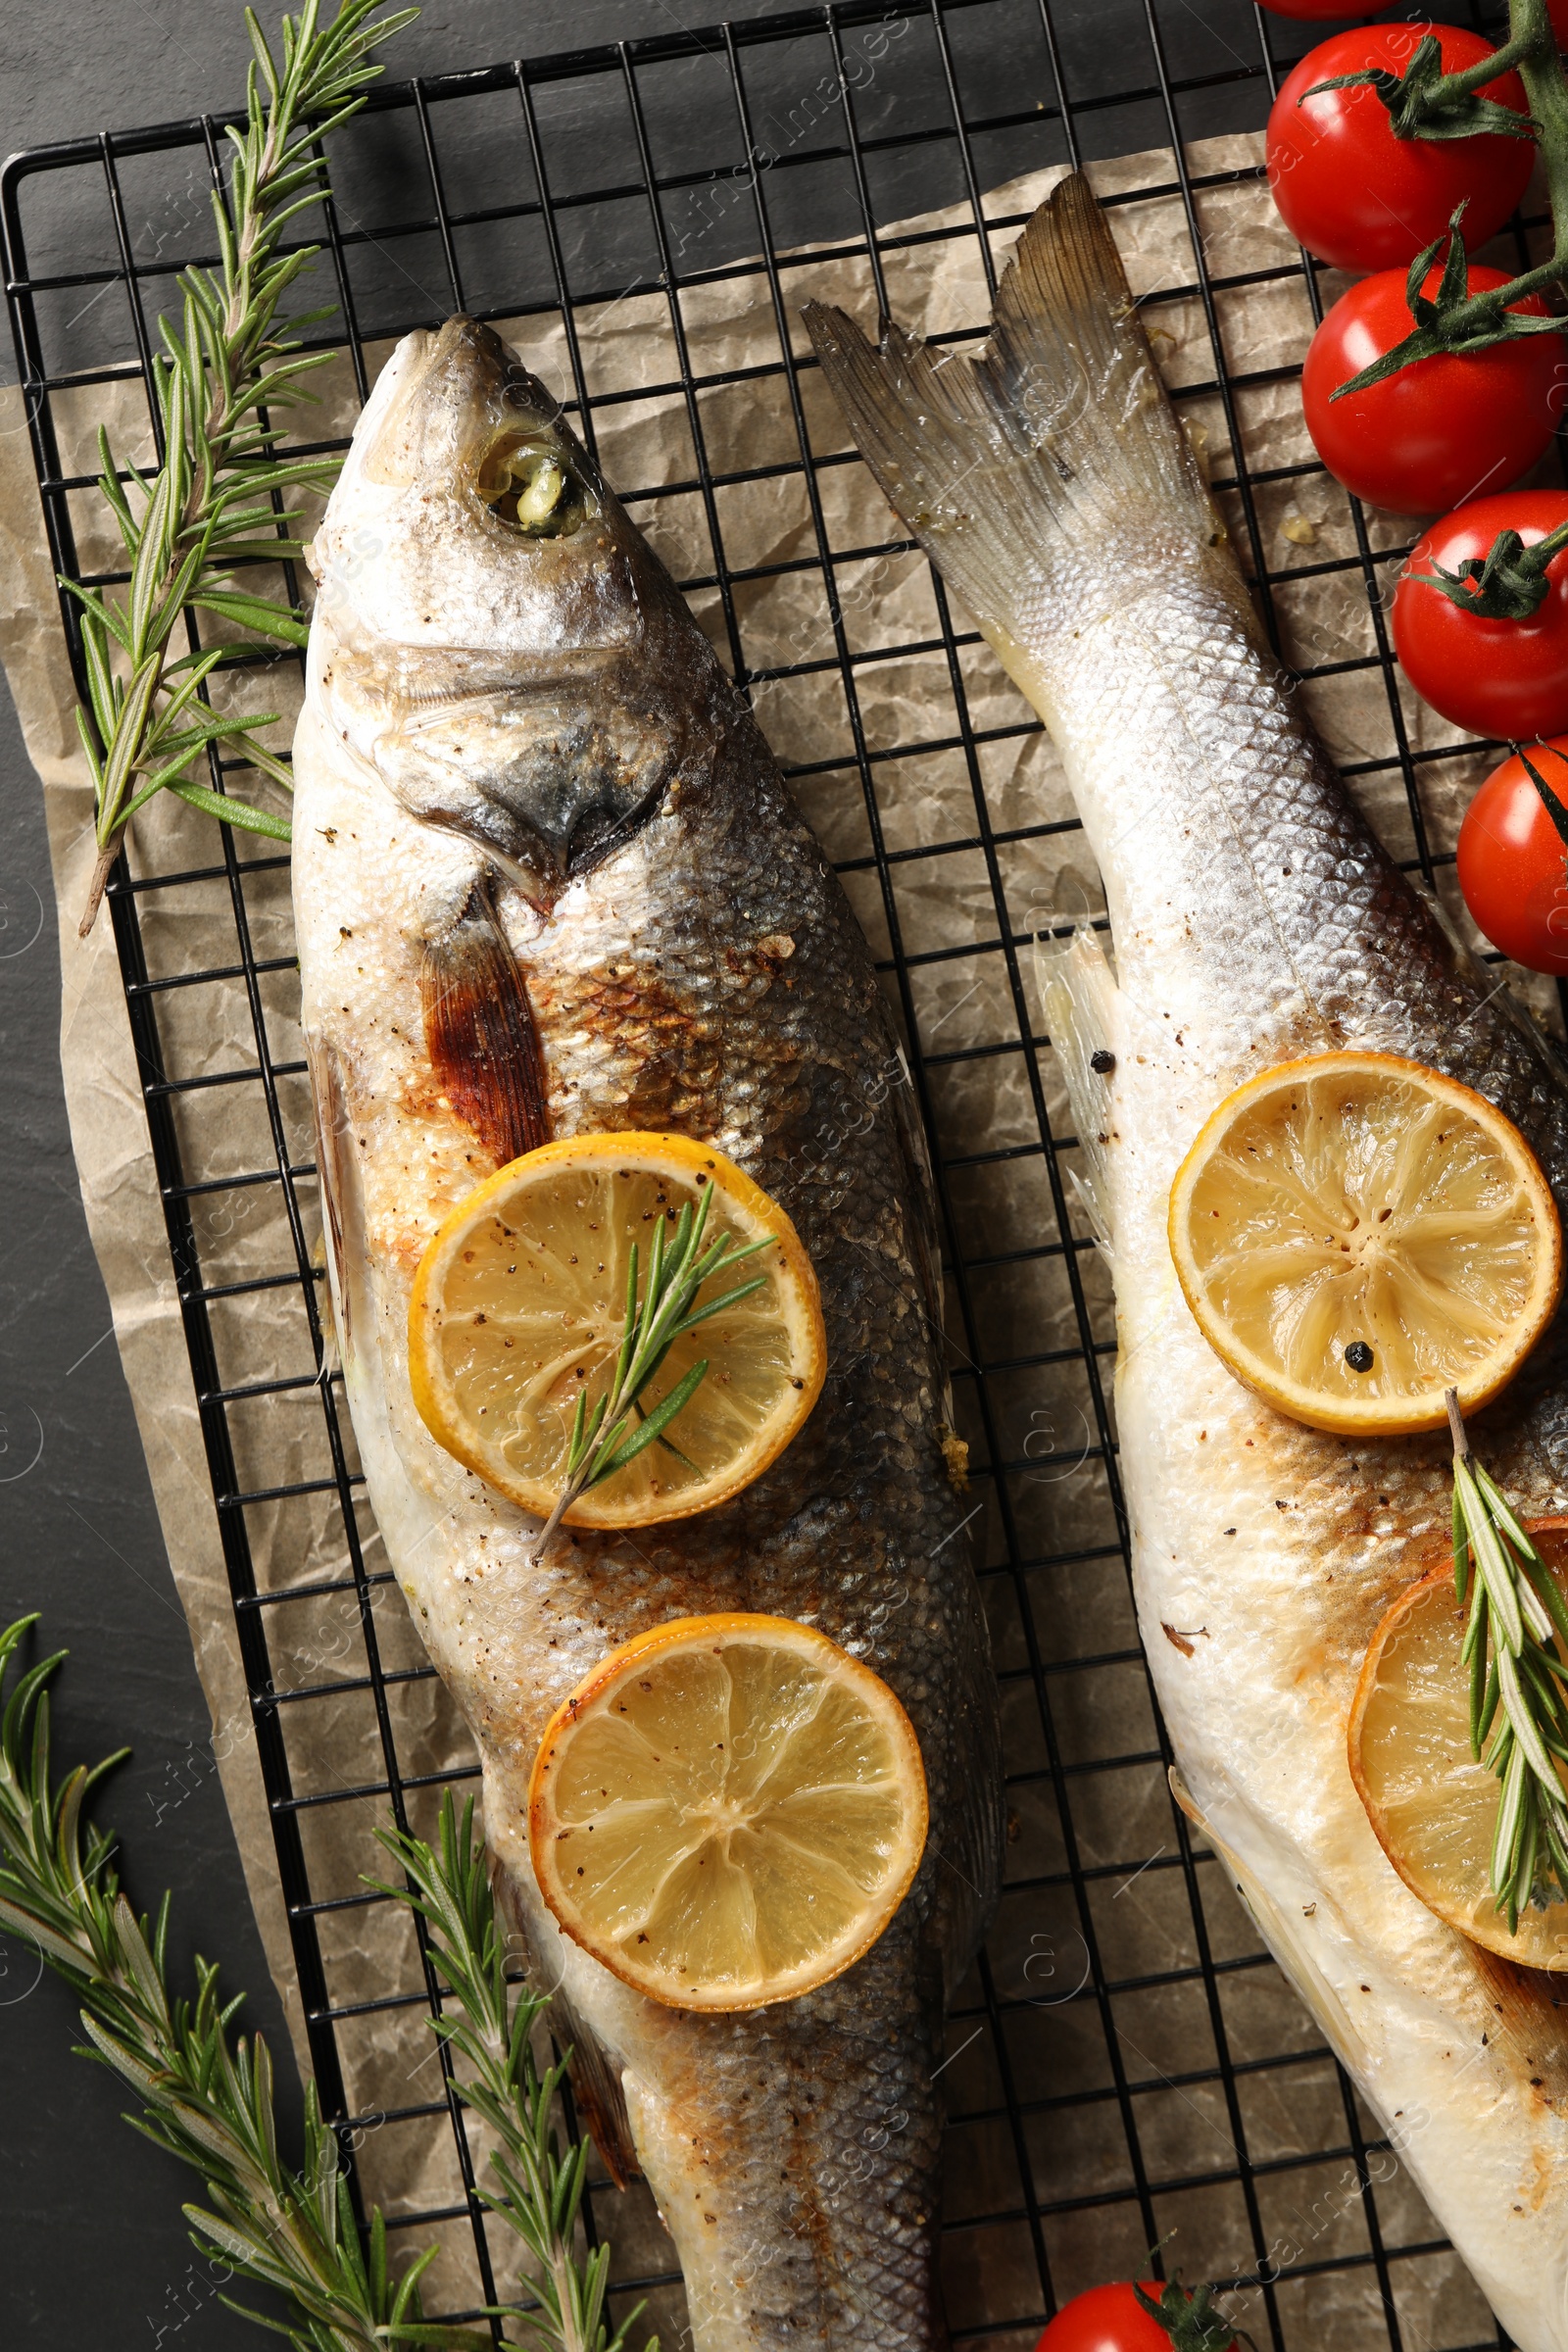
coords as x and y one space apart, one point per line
1106 2087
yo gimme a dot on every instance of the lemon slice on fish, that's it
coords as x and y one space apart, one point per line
1432 1806
727 1811
1356 1232
520 1305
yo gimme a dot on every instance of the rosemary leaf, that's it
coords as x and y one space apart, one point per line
681 1395
662 1312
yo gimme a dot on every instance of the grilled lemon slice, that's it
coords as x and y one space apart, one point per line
1432 1806
727 1811
519 1307
1356 1232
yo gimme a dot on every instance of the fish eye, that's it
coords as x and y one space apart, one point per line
536 492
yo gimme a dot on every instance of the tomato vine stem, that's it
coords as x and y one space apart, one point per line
1533 39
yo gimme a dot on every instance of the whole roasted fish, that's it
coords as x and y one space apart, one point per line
1254 919
547 881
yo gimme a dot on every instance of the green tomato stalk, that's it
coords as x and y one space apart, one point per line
1509 583
1194 2324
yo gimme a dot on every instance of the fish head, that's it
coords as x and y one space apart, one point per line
488 623
468 517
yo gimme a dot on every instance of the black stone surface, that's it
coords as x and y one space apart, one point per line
92 2246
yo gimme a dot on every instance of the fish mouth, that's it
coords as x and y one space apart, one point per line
468 411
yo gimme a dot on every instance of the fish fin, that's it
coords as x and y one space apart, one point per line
924 1244
1062 426
594 2075
342 1199
479 1031
1286 1937
596 2086
1079 994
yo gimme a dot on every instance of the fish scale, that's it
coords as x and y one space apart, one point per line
1254 919
1346 952
548 880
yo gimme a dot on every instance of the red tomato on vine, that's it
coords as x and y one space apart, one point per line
1446 428
1354 193
1489 647
1111 2318
1513 859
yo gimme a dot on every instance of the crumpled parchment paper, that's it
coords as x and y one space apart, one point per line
948 917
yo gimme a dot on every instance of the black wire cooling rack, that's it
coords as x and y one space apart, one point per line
1124 2063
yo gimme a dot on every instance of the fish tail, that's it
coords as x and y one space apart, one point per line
1061 432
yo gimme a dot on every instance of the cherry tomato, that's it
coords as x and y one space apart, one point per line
1513 863
1108 2319
1496 677
1356 196
1446 429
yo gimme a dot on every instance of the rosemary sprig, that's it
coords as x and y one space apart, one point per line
209 2100
205 2098
539 2191
1518 1705
215 500
605 1440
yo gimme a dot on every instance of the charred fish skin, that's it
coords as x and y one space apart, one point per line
548 880
1254 917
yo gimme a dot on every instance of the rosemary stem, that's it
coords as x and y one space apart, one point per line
600 1442
1517 1707
564 1502
534 2186
1456 1427
204 2097
101 872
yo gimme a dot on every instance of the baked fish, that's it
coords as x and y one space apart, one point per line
1254 919
548 881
